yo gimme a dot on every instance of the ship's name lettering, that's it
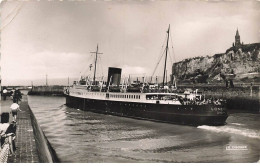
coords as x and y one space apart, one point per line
79 93
217 109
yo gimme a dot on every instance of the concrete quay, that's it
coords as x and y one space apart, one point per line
26 150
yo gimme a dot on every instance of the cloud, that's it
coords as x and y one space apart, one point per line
36 66
44 38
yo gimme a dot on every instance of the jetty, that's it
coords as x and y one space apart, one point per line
26 151
54 90
30 141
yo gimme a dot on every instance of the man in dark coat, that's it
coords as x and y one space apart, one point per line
17 96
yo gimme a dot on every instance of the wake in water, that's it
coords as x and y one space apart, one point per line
233 130
82 136
238 124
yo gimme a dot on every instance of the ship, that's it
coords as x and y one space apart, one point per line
145 101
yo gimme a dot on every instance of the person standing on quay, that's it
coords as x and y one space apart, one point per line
14 109
4 93
17 96
12 93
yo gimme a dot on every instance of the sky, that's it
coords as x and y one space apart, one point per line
55 38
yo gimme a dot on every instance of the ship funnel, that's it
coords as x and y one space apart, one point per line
114 76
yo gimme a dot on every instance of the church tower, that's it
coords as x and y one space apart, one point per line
237 39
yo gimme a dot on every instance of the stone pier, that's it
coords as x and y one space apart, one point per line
26 151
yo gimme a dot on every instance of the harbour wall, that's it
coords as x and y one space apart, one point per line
47 90
245 98
45 151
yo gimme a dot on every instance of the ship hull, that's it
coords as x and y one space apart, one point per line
179 114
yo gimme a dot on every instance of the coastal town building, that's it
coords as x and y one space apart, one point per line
237 40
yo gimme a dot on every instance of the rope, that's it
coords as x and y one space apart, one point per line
11 13
15 14
158 62
85 70
160 53
172 48
170 57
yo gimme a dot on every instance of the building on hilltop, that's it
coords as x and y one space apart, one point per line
237 40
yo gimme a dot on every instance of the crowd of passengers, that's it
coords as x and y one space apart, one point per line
188 101
197 101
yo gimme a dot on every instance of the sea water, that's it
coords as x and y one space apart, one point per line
83 136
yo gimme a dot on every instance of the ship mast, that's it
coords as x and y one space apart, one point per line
166 55
95 63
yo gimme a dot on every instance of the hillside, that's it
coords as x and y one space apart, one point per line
242 63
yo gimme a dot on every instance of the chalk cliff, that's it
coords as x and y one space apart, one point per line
242 63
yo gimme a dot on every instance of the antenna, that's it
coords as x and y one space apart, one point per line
166 76
166 55
95 63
